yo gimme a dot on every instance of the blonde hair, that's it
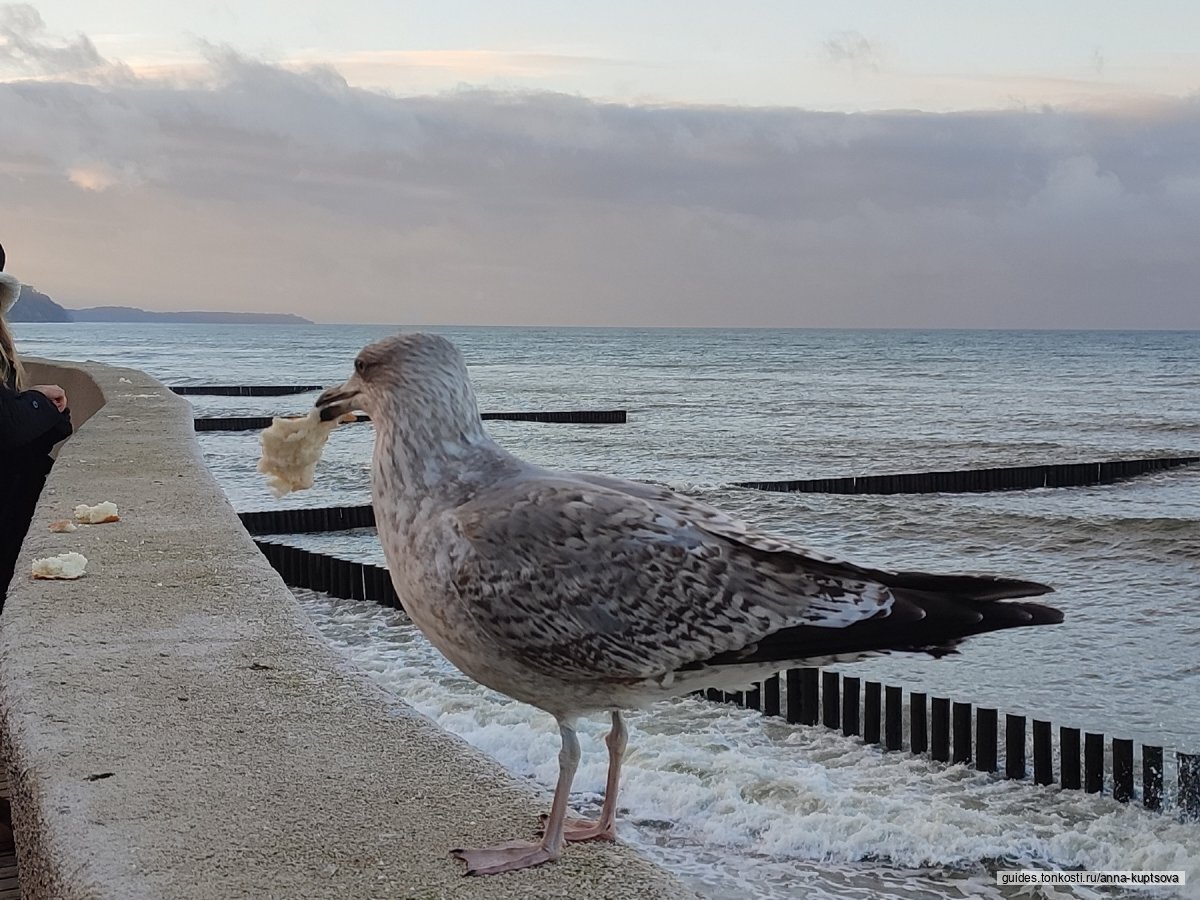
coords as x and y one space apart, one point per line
11 369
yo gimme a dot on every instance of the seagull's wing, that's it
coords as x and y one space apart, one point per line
974 587
925 612
588 576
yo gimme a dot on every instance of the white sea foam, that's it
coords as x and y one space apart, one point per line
739 805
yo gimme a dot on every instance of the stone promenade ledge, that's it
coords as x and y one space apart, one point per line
174 727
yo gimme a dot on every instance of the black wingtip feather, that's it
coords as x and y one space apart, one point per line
966 587
923 620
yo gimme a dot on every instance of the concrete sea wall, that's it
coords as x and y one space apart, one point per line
174 727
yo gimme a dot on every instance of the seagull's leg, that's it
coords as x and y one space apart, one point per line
605 829
513 855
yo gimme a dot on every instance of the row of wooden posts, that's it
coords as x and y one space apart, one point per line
245 390
960 733
308 520
559 417
340 518
1001 478
946 731
330 574
257 423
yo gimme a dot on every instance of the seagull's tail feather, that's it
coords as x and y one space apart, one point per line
931 614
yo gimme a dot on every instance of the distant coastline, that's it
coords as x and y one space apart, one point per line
34 306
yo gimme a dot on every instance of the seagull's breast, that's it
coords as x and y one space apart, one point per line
425 551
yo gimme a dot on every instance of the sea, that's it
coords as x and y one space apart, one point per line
737 805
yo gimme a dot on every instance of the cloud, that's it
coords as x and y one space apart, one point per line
853 49
99 176
249 185
25 47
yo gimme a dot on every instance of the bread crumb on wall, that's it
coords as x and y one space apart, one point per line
95 515
65 566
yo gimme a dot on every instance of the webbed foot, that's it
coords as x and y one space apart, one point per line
510 856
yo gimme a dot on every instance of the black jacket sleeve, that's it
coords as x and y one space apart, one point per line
29 419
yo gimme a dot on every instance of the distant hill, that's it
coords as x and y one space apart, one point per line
34 306
191 317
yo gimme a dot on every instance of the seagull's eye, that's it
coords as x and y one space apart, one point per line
361 366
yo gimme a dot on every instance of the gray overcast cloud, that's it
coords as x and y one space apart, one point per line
247 186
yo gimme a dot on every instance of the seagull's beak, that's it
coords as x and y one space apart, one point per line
337 401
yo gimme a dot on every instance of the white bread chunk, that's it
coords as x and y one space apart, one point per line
64 566
63 525
95 515
291 448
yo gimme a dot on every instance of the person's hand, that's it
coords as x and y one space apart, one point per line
54 394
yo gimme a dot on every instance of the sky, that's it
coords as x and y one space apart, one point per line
767 164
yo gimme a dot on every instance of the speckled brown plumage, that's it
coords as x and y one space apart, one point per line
579 593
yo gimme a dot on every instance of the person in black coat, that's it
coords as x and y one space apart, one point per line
32 421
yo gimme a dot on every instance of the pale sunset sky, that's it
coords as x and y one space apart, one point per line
869 164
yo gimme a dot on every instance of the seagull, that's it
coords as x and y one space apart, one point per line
582 594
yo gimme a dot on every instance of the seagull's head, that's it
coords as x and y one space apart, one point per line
405 379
